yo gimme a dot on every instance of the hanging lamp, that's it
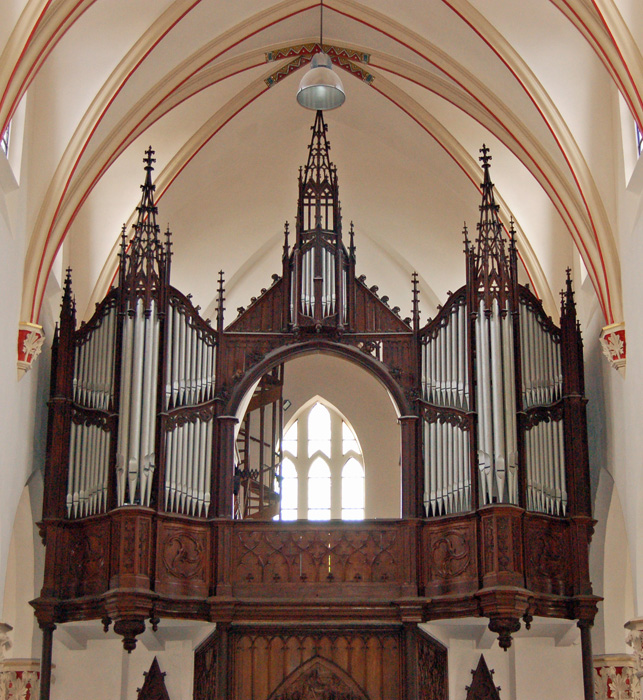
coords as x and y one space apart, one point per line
321 88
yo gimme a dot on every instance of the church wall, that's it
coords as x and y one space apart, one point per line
22 403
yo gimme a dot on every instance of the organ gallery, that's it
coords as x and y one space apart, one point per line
165 463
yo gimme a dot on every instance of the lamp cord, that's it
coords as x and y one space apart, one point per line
321 26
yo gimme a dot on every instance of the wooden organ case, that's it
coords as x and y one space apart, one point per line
160 494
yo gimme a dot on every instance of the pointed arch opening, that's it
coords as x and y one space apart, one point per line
333 437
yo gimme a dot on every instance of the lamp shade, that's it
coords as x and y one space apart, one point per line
321 87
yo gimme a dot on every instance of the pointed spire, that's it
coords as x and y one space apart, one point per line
68 305
286 233
465 236
492 269
568 305
351 247
319 167
416 302
220 300
145 265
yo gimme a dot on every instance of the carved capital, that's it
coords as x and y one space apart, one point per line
19 679
634 639
616 677
5 640
31 337
613 343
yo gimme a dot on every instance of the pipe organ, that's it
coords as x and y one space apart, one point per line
161 484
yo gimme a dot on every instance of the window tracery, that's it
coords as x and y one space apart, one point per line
322 474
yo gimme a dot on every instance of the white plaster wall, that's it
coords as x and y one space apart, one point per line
104 671
533 668
19 589
22 403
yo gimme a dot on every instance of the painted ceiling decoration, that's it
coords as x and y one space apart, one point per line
431 84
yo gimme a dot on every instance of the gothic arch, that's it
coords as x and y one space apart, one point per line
289 352
318 674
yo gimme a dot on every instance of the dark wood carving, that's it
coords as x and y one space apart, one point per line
154 685
318 678
548 556
143 540
287 664
451 557
433 678
310 555
501 543
482 686
183 559
205 669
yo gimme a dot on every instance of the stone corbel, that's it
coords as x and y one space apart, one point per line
612 340
31 337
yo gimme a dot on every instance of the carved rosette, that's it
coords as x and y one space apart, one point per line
31 337
19 679
616 678
613 343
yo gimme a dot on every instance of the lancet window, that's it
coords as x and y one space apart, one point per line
323 468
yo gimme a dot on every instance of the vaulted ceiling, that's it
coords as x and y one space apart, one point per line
211 86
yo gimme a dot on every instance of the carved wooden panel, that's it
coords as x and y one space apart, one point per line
154 686
183 559
548 555
294 664
85 571
205 676
130 549
450 557
433 677
501 540
304 555
240 352
318 678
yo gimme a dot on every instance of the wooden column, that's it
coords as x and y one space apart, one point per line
410 662
588 662
410 499
45 661
223 663
225 467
